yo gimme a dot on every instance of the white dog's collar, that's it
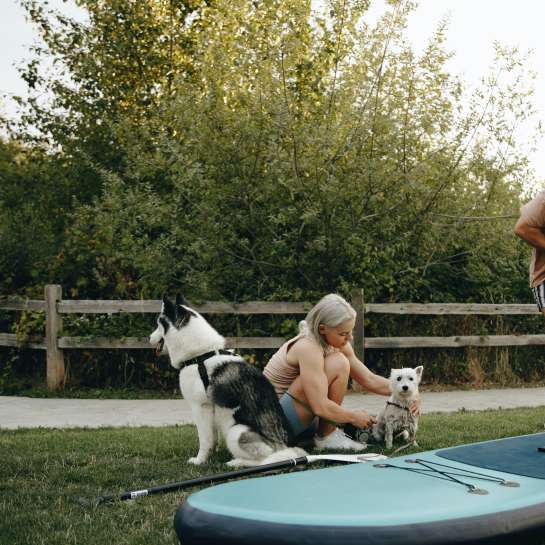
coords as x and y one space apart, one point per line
398 406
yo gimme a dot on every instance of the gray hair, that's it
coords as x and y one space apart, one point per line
331 310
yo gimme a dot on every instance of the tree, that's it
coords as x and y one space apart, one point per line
110 76
33 200
113 68
284 153
325 151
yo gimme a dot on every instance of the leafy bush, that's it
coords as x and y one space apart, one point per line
237 150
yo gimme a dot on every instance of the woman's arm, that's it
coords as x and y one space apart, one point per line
532 235
361 374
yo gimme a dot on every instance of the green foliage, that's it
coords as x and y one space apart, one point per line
34 199
104 79
245 150
115 65
303 158
239 150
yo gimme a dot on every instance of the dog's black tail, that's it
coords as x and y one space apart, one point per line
245 388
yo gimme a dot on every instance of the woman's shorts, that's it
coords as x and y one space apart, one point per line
539 296
300 430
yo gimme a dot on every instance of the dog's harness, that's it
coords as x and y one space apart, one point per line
199 361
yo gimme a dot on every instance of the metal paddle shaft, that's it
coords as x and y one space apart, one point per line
207 479
254 470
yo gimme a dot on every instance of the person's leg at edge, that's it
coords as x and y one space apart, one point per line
337 369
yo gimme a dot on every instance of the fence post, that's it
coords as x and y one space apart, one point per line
53 328
359 332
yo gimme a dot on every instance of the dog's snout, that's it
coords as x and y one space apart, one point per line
405 387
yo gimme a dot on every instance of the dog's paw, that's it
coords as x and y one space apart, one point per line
235 462
196 461
404 435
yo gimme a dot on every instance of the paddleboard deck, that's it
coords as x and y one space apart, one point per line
488 492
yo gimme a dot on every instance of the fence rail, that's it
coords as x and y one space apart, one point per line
449 308
55 343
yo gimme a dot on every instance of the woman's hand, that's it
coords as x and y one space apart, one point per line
415 407
362 419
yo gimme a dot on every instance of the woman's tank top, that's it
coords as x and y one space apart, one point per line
279 371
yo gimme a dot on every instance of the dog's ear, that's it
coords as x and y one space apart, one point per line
169 309
419 370
180 300
183 312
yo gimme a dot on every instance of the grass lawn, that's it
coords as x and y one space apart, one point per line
44 472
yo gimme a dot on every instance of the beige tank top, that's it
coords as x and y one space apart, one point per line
279 371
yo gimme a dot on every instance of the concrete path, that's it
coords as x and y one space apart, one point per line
26 412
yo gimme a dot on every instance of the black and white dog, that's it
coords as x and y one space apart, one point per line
225 393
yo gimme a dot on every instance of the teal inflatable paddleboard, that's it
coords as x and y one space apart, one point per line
491 492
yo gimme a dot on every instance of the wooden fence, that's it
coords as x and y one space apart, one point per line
55 343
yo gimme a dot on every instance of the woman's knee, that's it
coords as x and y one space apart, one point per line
337 364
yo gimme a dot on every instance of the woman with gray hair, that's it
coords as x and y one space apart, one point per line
310 376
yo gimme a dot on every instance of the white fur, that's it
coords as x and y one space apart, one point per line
397 418
247 446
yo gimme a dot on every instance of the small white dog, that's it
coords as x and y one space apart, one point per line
225 393
396 417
